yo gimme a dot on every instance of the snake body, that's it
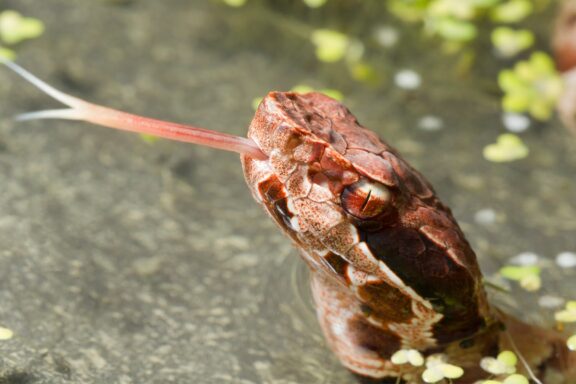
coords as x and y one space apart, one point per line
390 266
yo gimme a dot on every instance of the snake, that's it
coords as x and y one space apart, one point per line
390 267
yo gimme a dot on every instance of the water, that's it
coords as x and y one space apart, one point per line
125 262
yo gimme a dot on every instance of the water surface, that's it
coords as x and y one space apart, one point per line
126 262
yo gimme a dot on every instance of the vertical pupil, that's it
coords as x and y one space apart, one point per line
365 199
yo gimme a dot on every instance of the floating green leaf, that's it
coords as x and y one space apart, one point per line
508 358
513 272
404 356
330 45
7 53
455 30
5 333
235 3
504 363
571 342
463 10
314 3
15 28
512 11
432 375
531 283
528 276
411 10
508 147
509 42
437 369
533 86
516 379
568 314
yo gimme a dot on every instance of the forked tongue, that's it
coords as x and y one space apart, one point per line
83 110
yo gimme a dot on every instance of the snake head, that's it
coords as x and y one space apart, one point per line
362 214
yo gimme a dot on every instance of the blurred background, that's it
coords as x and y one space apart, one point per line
125 259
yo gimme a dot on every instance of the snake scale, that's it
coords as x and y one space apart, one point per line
390 267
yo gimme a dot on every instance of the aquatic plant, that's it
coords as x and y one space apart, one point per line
436 366
314 3
234 3
571 342
456 20
5 333
508 147
503 366
504 363
438 369
511 11
527 276
407 356
512 379
568 314
15 28
533 86
331 45
509 42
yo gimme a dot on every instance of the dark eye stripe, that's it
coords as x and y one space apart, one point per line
366 201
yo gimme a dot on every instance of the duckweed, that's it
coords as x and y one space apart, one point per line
532 86
508 147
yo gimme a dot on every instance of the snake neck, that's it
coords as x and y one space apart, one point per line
365 346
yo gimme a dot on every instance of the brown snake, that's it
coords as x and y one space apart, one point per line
390 267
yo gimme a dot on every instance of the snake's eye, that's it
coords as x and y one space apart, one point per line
365 199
